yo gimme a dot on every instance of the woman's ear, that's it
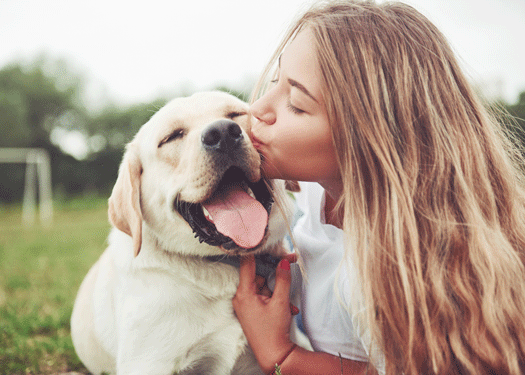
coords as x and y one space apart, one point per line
124 204
292 186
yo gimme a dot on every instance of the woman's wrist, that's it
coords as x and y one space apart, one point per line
269 358
301 361
277 366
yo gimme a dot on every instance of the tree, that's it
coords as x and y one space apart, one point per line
40 102
31 101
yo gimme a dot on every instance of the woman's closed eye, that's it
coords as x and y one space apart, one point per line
290 106
294 109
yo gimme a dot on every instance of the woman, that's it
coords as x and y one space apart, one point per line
418 188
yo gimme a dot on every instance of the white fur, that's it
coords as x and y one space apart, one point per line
167 310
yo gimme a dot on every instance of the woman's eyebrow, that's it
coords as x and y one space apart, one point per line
297 85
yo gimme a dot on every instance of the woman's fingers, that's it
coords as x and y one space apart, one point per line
292 257
262 286
283 279
247 274
251 283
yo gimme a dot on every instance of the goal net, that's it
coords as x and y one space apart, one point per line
38 175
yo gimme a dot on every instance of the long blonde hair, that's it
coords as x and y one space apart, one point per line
433 198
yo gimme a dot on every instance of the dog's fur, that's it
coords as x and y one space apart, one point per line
153 304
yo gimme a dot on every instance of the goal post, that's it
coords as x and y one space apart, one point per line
38 171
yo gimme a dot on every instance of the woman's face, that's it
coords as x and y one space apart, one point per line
291 128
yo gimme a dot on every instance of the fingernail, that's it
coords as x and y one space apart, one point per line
284 265
294 310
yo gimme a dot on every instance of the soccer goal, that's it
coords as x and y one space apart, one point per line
38 175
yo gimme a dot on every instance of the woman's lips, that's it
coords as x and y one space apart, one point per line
256 142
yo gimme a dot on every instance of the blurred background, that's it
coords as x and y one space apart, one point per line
78 79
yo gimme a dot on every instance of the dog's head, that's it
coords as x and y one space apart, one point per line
191 177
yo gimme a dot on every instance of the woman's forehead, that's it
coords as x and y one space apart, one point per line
299 62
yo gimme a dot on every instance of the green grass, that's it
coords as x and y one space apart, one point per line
40 273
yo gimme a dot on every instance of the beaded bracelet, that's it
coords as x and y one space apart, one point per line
277 369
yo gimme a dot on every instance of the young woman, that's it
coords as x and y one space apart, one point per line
413 234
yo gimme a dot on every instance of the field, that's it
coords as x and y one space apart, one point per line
40 272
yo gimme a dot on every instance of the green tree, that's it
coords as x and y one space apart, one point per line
117 126
40 102
31 101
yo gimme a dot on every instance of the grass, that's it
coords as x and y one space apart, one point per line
40 273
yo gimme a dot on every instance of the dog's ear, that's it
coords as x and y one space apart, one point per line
124 204
292 186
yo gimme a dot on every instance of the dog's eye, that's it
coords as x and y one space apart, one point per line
232 115
179 133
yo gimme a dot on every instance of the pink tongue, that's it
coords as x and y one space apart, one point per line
238 216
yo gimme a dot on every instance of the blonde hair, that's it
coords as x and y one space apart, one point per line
433 199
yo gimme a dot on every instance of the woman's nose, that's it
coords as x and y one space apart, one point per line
263 111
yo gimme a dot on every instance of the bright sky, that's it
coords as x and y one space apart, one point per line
133 51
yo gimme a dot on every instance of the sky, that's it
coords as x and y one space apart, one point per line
136 51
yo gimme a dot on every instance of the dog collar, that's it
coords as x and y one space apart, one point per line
265 264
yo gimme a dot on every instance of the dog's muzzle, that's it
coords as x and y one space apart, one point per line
235 217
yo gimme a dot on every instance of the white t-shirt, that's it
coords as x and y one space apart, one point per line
331 303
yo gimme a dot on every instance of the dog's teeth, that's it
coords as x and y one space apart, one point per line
206 214
250 193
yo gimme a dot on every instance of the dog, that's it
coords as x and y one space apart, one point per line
189 192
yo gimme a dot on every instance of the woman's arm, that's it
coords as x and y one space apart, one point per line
302 361
266 323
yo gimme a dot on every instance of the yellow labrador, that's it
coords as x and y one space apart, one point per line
189 192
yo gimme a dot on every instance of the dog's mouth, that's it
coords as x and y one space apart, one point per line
236 215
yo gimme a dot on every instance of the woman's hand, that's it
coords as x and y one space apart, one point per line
265 318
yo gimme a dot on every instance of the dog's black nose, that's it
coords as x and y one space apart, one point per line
222 135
